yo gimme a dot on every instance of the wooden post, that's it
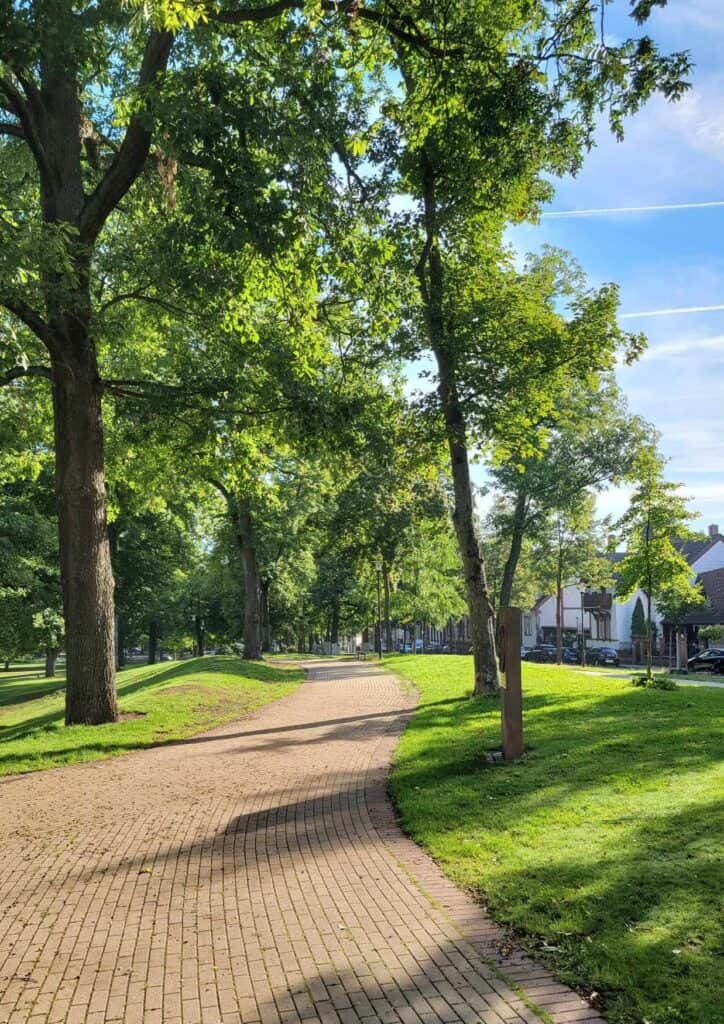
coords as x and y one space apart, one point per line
511 692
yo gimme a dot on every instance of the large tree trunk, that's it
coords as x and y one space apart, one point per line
516 543
85 561
51 654
388 622
480 609
252 587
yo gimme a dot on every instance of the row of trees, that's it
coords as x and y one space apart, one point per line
225 226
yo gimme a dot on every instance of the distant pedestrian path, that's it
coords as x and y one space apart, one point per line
252 874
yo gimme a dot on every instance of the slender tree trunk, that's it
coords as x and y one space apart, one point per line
199 631
432 287
85 561
516 543
121 644
51 654
334 630
386 591
153 642
559 624
649 638
266 637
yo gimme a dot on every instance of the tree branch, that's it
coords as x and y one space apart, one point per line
25 371
131 157
400 26
29 317
8 128
26 115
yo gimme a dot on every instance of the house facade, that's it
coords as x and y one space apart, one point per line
606 621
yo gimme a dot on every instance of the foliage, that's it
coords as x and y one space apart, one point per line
713 634
659 681
602 848
657 514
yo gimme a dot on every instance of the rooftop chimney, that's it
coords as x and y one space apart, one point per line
713 530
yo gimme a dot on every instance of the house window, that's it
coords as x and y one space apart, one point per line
528 628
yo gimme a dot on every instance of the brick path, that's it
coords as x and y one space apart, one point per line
255 873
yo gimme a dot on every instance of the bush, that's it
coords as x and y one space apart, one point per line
657 682
225 649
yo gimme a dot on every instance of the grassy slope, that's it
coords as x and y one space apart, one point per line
172 700
603 846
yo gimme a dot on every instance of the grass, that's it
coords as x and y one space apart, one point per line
158 703
602 848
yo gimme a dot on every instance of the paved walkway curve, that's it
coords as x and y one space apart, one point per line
255 873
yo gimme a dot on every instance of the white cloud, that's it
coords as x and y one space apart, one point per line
698 14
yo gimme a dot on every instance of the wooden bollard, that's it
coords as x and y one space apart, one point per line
511 690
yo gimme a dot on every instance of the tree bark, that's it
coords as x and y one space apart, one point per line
388 622
559 623
517 532
199 636
252 588
51 654
432 287
334 630
85 561
153 641
266 637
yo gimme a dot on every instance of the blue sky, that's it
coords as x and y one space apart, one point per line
661 260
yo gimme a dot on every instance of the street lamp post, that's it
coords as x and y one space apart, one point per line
378 570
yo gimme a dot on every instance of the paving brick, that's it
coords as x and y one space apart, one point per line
252 875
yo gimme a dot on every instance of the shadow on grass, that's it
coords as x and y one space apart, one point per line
571 744
652 900
156 678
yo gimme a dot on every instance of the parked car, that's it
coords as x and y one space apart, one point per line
711 660
166 657
604 656
548 653
541 652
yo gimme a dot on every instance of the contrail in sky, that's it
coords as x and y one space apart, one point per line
672 312
631 209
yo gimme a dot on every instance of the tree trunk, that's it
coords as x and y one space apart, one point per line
199 632
153 642
266 637
386 591
85 561
120 642
252 587
432 288
516 543
559 624
51 654
649 638
334 630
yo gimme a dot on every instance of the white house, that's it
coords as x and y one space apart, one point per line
606 621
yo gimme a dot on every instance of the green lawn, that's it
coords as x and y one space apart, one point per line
603 847
158 703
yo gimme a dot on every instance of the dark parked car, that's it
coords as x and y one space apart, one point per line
604 656
711 660
541 652
548 653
